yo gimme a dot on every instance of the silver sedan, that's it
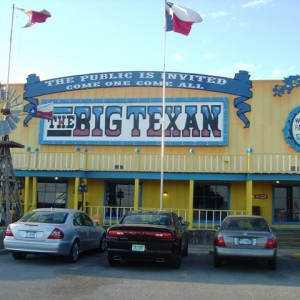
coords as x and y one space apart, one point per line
54 231
245 237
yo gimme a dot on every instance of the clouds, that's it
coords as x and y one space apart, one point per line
219 14
230 70
176 57
259 36
209 56
276 73
255 3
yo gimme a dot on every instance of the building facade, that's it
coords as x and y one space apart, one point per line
230 145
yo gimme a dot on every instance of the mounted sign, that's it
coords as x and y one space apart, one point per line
292 129
240 86
188 121
261 196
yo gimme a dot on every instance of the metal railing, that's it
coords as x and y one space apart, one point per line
203 219
208 163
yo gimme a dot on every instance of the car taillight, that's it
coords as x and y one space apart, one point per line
219 241
163 235
115 233
56 234
8 231
127 233
271 243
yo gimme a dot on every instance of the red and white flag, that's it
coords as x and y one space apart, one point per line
36 16
180 19
43 111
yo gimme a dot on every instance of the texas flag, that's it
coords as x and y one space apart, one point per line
180 19
43 111
36 16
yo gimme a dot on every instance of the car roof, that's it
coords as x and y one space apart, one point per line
65 210
145 212
244 217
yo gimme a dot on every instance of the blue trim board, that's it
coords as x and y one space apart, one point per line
273 177
157 175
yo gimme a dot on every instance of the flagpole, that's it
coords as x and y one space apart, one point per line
9 53
163 120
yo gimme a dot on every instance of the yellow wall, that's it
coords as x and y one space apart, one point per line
267 119
151 194
177 194
71 193
95 194
237 196
265 135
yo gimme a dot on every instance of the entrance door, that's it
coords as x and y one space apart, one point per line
119 198
52 194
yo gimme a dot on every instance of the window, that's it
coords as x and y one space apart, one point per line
210 198
286 203
121 195
86 221
51 194
45 217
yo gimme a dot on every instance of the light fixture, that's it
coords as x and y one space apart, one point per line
165 193
55 178
82 188
277 181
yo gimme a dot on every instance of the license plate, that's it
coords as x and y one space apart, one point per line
245 241
138 248
30 234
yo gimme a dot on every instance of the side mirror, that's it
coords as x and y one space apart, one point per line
96 224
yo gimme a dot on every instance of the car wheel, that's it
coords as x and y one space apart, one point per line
176 262
185 250
271 264
103 244
112 262
217 262
74 252
18 255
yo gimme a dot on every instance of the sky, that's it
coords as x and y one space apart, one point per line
93 36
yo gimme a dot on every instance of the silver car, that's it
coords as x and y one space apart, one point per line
57 231
245 237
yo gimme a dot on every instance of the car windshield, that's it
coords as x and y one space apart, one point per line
254 224
159 219
45 217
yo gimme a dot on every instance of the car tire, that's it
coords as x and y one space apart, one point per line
74 252
217 262
272 264
18 255
112 262
103 244
186 250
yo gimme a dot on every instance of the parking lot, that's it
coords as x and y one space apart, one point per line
44 277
